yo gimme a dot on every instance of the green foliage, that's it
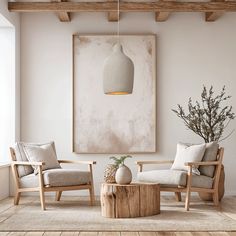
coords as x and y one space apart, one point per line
120 160
207 118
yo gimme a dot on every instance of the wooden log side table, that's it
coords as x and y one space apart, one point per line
129 201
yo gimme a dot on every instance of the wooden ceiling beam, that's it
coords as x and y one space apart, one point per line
161 6
63 15
113 16
213 16
161 16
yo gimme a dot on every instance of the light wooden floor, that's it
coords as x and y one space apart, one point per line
117 234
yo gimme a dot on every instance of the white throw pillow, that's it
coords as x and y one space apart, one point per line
187 153
44 153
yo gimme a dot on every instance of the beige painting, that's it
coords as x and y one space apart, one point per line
113 123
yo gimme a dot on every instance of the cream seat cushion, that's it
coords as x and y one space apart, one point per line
174 178
57 178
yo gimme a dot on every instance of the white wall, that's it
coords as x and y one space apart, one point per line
190 53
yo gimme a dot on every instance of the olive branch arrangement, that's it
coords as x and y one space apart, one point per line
208 118
120 160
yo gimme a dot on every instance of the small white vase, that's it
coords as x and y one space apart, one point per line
123 175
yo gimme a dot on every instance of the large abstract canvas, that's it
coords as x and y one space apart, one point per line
113 123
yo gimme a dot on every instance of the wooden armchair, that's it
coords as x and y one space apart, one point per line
188 187
36 183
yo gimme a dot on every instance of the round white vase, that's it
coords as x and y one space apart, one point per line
123 175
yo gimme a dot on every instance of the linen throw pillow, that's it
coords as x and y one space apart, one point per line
187 153
44 153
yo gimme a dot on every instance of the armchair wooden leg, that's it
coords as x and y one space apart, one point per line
41 188
216 198
42 199
187 200
188 193
178 196
91 189
17 198
91 193
58 195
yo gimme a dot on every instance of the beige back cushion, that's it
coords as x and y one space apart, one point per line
20 156
209 155
42 153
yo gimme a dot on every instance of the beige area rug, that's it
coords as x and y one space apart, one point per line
71 214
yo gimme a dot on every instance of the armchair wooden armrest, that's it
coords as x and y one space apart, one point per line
77 162
203 163
141 163
27 163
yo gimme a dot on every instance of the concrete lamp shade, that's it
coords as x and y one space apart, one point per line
118 73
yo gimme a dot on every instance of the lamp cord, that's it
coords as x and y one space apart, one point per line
118 23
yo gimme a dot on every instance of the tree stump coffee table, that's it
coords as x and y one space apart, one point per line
129 201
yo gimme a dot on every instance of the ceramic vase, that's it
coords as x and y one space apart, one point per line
123 175
109 173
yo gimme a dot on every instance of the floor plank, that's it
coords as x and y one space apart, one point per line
147 234
16 234
88 233
52 233
129 234
117 233
218 233
34 234
201 234
166 234
69 234
183 234
109 234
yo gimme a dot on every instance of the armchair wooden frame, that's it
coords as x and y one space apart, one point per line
189 188
42 188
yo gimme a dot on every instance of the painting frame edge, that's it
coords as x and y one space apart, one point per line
155 86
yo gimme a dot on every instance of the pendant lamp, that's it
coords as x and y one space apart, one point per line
118 71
